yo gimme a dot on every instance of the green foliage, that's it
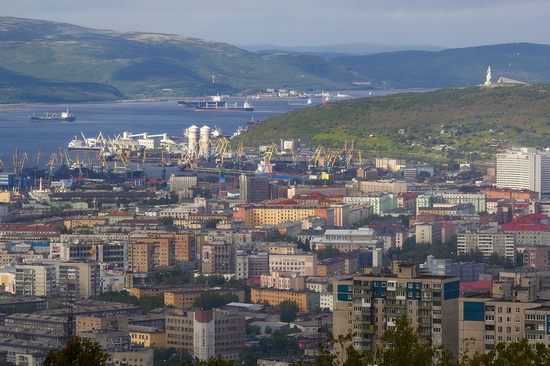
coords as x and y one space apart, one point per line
218 361
146 303
288 310
77 352
210 300
402 346
167 221
328 252
170 356
211 223
474 119
172 277
517 353
418 252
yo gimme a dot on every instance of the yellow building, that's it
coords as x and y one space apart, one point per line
5 196
304 299
85 222
147 336
262 215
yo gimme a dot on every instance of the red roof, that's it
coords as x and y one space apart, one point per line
476 286
446 224
30 228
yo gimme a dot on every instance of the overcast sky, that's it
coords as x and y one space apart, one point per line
447 23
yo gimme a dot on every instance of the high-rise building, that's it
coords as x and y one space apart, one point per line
206 333
79 280
36 280
253 189
366 306
524 168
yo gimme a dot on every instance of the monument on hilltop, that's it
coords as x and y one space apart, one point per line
488 76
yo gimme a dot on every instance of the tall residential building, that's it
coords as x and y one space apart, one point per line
510 312
428 232
524 168
253 189
206 334
488 242
79 280
36 280
368 305
218 258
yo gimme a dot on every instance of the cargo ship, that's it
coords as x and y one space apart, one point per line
63 117
224 107
216 106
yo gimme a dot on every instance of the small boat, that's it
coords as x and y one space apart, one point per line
63 117
325 100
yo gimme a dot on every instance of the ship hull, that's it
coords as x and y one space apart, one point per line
52 119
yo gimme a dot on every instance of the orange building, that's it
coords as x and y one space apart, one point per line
305 300
507 194
164 248
141 257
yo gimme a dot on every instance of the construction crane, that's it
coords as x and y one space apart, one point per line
53 159
314 160
221 148
269 152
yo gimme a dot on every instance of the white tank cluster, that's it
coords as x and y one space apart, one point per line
204 142
199 140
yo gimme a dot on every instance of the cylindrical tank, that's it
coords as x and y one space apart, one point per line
193 140
204 141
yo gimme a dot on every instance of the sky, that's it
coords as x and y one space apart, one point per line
445 23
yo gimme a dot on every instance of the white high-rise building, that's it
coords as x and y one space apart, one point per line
524 168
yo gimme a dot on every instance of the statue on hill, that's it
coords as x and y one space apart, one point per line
488 76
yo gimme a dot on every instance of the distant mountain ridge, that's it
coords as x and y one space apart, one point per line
339 50
43 61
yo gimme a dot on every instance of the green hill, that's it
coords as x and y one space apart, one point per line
57 62
458 122
37 53
452 67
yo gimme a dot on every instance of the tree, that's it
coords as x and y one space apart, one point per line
328 252
288 310
402 346
511 354
77 352
210 300
218 361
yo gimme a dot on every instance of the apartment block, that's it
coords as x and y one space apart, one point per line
36 280
488 242
509 312
262 215
206 333
428 232
79 280
300 264
368 305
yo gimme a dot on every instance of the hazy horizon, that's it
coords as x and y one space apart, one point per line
440 23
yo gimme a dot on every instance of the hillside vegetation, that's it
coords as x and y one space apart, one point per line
49 55
56 62
469 123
